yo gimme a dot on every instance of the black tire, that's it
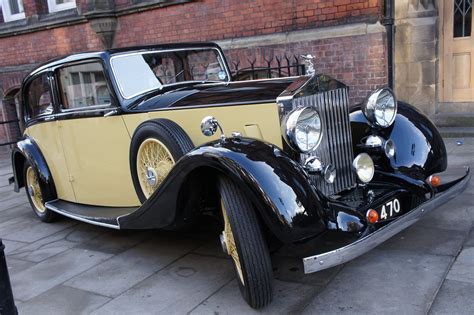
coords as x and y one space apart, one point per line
254 257
45 215
167 132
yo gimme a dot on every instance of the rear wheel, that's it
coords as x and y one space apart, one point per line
35 196
242 239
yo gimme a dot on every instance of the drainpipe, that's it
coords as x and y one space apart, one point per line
388 21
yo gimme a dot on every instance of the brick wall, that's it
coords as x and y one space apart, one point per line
358 61
216 20
221 19
40 46
194 21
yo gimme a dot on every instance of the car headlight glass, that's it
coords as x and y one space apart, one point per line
380 108
302 129
364 167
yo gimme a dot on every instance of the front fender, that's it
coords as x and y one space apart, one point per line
27 150
278 187
420 150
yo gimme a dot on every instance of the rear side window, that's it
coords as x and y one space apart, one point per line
83 85
39 97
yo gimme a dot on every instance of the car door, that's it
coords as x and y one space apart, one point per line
41 127
95 145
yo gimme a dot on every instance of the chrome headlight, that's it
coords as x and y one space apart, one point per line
380 108
364 167
302 129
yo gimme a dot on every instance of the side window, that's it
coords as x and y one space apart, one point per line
83 85
39 97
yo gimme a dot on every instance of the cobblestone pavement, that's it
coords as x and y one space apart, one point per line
73 268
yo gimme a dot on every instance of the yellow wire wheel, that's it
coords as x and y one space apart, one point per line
34 191
243 241
230 244
154 162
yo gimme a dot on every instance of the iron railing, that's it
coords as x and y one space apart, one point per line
276 67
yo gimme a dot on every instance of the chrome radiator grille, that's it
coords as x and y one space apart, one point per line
336 143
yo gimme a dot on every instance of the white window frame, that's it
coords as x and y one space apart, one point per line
54 7
7 15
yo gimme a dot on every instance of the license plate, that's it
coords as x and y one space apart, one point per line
389 209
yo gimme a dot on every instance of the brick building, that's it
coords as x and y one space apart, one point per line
346 36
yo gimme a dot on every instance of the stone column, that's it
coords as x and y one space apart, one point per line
416 56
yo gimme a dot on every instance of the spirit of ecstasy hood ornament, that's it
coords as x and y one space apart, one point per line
308 59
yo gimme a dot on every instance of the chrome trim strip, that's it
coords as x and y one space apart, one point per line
269 101
72 216
363 245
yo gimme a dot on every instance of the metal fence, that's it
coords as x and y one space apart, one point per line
276 67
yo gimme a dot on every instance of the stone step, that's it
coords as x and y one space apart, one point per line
454 119
456 132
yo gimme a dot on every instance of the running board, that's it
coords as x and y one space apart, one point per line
102 216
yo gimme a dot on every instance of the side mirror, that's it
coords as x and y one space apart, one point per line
209 126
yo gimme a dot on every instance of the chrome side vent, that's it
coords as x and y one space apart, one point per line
336 144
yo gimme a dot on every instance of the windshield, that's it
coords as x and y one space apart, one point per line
140 72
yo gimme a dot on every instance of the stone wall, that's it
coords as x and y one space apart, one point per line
416 56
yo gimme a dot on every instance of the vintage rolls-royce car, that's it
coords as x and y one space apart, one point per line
152 137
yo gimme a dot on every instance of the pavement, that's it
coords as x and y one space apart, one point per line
69 267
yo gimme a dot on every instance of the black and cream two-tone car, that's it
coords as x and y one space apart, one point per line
152 137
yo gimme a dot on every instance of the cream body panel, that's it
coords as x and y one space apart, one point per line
97 154
89 157
47 138
261 117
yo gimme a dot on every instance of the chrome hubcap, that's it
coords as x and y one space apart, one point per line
151 176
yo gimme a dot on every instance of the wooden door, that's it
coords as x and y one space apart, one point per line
457 59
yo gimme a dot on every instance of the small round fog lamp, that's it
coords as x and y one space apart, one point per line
364 167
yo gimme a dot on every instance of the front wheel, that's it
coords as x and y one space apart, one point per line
242 239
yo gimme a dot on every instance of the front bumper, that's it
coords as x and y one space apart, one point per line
364 244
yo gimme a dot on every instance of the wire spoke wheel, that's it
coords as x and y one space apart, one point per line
33 188
243 241
230 244
154 162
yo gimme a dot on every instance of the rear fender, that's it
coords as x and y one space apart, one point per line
278 187
27 150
